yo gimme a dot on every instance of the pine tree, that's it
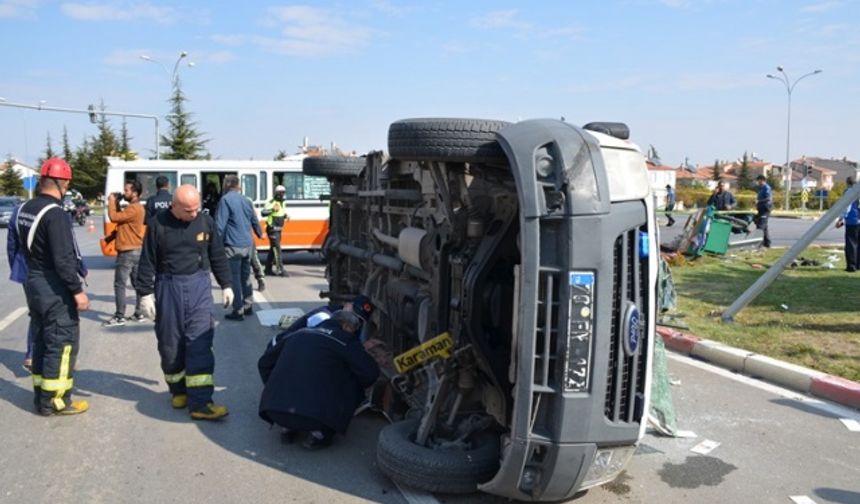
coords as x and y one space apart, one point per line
125 151
718 171
49 150
103 145
82 169
183 140
745 180
10 182
67 149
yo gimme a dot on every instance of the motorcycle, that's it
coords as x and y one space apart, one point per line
77 211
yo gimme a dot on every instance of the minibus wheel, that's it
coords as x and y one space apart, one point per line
455 140
333 166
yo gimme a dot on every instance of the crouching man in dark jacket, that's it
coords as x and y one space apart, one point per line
318 380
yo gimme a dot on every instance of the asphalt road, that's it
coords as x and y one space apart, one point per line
133 447
783 232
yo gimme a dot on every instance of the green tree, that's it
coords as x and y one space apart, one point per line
10 182
49 150
67 149
718 171
125 151
281 155
83 167
182 140
95 168
774 181
745 180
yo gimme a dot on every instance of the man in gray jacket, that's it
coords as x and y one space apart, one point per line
234 219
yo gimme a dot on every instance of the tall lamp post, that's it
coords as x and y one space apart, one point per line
789 88
173 76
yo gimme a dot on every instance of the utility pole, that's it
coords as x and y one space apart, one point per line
90 111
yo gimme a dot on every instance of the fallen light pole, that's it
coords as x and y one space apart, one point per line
774 271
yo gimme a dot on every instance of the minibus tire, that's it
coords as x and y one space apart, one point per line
333 166
456 140
444 470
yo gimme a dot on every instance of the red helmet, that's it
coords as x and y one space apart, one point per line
56 168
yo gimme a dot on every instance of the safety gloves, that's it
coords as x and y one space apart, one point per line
147 306
227 297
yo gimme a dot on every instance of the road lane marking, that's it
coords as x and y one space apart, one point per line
261 300
852 425
415 497
12 317
832 409
801 499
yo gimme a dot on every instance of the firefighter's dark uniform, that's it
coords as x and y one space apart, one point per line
179 256
315 378
52 281
161 200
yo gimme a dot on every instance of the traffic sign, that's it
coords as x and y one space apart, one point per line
30 182
804 196
821 193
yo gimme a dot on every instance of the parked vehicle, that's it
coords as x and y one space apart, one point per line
308 222
7 204
513 267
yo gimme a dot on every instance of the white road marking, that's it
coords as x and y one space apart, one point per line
261 300
801 499
826 407
852 425
12 317
414 496
705 447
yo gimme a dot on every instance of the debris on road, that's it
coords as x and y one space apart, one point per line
705 447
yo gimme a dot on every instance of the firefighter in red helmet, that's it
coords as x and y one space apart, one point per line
55 295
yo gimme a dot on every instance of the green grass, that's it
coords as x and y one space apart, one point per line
819 329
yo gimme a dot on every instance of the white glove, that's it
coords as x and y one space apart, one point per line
147 306
227 297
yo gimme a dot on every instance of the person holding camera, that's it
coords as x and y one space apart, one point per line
129 222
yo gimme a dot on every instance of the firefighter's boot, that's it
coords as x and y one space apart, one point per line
211 411
179 401
76 407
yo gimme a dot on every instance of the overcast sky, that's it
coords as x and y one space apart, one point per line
688 76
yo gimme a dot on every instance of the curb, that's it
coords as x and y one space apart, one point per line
798 378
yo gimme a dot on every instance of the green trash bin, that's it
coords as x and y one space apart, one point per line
718 236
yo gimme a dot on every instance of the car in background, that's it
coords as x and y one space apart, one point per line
7 204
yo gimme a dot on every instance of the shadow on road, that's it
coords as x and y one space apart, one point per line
804 407
349 466
838 496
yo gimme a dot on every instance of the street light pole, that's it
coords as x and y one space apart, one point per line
175 74
89 111
789 88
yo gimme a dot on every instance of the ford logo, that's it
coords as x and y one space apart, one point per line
631 329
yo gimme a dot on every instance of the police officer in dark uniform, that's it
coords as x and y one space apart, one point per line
54 291
318 380
180 248
159 201
763 206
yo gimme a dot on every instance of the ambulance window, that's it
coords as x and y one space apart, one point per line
249 186
264 185
147 180
189 179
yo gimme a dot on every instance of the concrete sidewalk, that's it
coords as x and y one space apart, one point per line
792 376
